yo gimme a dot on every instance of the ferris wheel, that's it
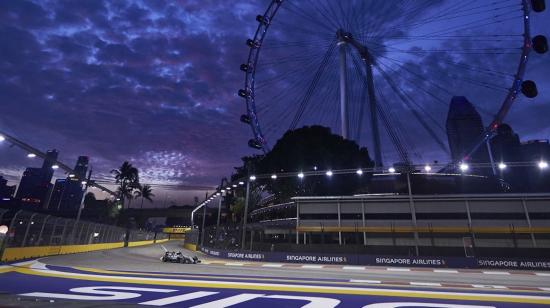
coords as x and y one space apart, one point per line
382 73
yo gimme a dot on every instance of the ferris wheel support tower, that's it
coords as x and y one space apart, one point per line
345 38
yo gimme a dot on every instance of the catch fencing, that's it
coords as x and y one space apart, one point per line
34 235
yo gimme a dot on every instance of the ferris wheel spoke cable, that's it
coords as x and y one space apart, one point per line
325 5
456 14
299 70
302 43
414 107
471 81
300 12
461 66
445 18
285 112
394 138
498 18
418 85
312 86
327 101
477 24
398 130
321 99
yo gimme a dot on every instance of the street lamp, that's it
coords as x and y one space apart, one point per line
543 164
253 178
502 166
464 167
427 168
31 155
359 172
55 167
274 176
391 170
2 138
329 173
301 175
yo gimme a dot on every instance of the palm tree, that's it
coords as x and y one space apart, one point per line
145 192
127 177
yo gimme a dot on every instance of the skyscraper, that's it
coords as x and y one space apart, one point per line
507 149
36 184
534 151
464 130
6 192
67 193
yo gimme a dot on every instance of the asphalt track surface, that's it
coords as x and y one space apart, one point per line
136 276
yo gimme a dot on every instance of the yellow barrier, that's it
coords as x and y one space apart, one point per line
18 253
162 241
176 230
191 247
140 243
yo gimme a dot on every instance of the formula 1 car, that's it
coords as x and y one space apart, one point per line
179 257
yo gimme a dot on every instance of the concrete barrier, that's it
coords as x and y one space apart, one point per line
140 243
19 253
189 246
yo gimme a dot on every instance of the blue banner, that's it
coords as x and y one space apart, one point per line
404 261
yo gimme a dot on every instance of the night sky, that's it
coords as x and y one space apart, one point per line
155 82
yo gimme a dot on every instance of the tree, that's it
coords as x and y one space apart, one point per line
144 192
127 178
307 149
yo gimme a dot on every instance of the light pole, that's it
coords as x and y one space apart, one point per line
205 204
87 183
245 214
413 211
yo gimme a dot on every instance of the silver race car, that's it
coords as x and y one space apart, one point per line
179 257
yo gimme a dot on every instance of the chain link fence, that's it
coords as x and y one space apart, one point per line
29 229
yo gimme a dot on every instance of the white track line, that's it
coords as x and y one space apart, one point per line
445 271
312 266
234 264
354 268
165 250
365 281
24 263
425 284
483 286
542 274
545 289
496 273
398 269
272 265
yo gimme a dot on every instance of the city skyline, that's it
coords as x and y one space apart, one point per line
154 84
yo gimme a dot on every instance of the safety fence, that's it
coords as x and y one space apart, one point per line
31 235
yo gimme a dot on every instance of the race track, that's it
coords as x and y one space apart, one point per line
129 276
